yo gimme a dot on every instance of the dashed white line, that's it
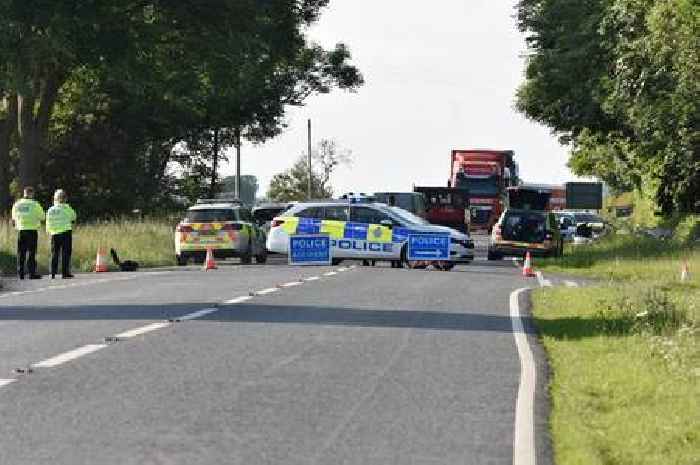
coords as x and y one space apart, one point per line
68 356
571 284
524 435
330 273
142 330
269 290
238 300
5 382
292 284
312 278
543 282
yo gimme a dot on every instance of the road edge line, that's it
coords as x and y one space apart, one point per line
524 432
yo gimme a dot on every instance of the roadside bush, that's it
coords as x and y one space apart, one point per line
651 311
688 230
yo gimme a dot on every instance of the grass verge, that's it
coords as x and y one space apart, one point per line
149 242
624 354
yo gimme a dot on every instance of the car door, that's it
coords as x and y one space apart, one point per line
371 231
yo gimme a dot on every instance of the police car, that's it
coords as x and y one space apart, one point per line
361 231
225 226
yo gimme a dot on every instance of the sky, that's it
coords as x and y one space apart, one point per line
436 78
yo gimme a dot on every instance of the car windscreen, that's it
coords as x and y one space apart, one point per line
587 218
408 216
210 215
480 186
524 226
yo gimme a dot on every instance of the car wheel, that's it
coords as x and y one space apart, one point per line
181 260
336 261
493 255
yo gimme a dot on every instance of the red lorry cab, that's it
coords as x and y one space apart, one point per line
447 206
486 174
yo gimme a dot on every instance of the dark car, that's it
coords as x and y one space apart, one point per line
521 231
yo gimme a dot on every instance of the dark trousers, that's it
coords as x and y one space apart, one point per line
61 245
26 252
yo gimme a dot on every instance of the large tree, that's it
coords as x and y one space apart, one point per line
159 73
617 79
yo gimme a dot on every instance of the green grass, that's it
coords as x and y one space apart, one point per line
149 242
625 355
626 258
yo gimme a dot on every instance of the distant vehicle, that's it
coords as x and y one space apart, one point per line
547 197
367 231
411 201
264 213
521 231
225 226
487 174
447 206
582 225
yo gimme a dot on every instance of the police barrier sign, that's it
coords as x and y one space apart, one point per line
309 249
429 246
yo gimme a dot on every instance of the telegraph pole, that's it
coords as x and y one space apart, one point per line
308 187
237 141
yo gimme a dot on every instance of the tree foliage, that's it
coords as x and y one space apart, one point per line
292 184
120 91
618 79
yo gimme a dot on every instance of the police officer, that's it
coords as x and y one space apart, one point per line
27 215
59 224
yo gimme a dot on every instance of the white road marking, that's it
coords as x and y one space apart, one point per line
292 284
5 382
343 269
571 284
269 290
238 300
524 436
197 314
68 356
330 273
543 282
312 278
142 330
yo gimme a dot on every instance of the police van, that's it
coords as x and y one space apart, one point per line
362 231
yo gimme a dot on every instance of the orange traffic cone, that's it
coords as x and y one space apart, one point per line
685 271
101 261
528 272
209 263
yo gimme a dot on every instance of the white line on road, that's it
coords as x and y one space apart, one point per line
312 278
571 284
292 284
197 314
543 282
142 330
524 437
238 300
269 290
68 356
5 382
330 273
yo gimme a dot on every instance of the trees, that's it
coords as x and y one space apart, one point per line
618 80
153 76
292 184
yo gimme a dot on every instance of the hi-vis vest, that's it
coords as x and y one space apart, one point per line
27 215
59 219
345 230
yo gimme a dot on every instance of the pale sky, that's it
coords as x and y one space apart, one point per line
439 75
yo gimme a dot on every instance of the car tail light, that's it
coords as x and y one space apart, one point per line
183 228
276 223
232 227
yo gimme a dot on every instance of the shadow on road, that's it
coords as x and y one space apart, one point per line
273 314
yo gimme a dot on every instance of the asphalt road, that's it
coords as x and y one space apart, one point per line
364 366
